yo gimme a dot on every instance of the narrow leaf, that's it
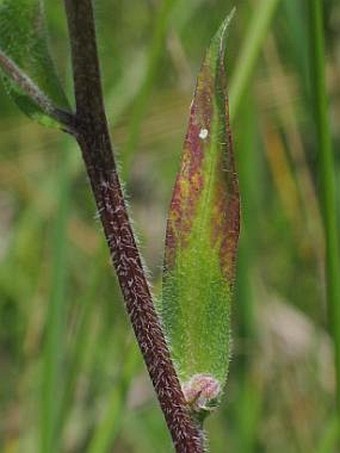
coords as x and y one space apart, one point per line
26 67
201 239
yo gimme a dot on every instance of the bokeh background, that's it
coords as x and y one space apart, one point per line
69 367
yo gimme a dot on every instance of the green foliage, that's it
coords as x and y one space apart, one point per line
202 231
26 67
327 179
281 386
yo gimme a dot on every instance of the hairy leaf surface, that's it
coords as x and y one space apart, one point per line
202 231
26 67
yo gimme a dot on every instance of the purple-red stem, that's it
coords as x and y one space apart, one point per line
91 131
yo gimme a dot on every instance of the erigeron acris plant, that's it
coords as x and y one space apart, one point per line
185 336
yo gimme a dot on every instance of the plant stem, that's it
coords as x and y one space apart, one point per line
326 180
93 137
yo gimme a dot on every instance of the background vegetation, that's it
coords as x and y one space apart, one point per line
72 379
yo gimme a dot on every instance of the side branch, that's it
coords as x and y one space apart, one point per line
93 137
26 84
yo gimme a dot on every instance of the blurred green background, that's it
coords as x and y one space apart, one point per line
71 377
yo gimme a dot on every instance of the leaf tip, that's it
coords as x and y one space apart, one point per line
220 36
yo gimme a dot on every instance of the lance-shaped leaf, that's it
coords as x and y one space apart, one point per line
26 67
201 239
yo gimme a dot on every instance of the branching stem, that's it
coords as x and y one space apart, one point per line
91 132
27 85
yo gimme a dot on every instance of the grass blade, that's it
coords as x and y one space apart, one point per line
326 179
256 33
52 379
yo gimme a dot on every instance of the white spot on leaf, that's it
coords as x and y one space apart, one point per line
203 133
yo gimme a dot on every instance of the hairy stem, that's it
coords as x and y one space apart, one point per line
93 137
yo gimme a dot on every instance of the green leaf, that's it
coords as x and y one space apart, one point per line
26 67
201 240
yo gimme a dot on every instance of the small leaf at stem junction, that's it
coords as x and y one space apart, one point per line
26 67
201 239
